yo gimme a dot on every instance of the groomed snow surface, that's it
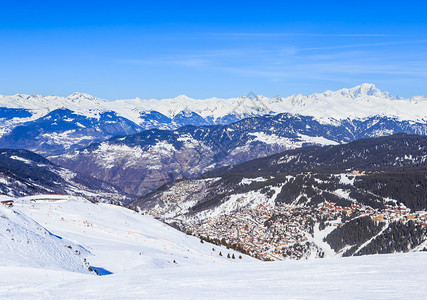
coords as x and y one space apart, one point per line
140 252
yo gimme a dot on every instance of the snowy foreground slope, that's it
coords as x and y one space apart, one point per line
117 238
25 243
139 251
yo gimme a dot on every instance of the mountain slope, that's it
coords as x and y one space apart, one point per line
25 243
120 240
25 173
396 150
62 130
52 125
301 203
142 162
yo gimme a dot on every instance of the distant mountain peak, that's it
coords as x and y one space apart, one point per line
182 98
364 90
76 97
368 89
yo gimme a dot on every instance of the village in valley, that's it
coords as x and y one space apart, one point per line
289 231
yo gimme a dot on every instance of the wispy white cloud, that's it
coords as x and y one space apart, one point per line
184 62
332 61
274 34
363 45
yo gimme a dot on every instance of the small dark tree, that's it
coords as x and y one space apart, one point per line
220 254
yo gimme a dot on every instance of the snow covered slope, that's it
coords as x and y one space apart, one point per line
120 239
25 173
140 252
393 276
25 243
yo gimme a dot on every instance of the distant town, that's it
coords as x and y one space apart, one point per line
289 231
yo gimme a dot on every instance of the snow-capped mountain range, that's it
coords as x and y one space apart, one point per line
140 144
358 102
52 125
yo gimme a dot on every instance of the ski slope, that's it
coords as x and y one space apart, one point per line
140 252
117 238
23 242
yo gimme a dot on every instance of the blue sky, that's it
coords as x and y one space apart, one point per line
159 49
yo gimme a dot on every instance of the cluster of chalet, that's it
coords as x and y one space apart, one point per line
285 231
272 232
392 213
263 232
331 209
173 198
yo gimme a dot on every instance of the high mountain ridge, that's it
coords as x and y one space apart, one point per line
212 110
28 114
143 161
24 173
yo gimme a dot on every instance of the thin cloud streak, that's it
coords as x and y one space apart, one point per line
344 63
266 34
364 45
185 62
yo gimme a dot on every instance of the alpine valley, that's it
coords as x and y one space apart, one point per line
365 197
138 145
194 195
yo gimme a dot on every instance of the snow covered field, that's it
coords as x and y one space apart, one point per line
140 252
400 276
